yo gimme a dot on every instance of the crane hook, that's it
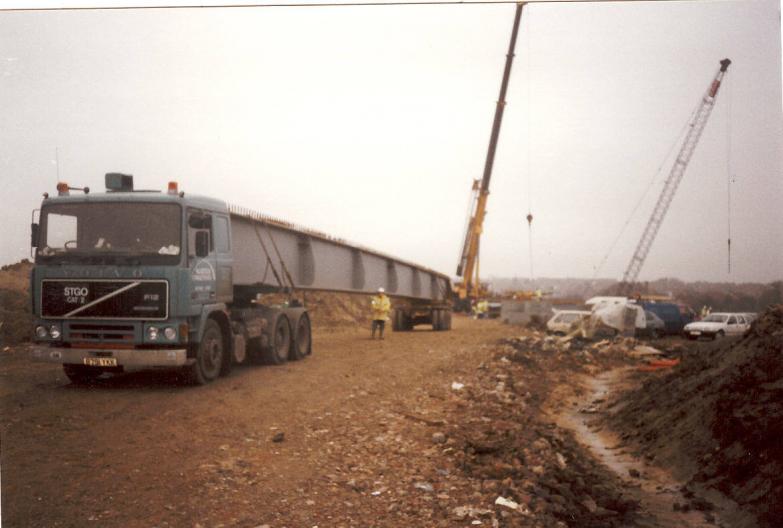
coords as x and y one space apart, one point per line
529 219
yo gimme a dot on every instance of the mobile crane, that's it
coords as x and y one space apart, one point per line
470 287
695 129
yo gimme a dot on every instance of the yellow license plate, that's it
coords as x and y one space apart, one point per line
100 362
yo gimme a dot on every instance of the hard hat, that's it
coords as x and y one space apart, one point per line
381 290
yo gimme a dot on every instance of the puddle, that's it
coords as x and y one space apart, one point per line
655 488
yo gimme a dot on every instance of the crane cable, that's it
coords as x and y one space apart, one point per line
529 216
728 171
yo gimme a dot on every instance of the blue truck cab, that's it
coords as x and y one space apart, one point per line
130 278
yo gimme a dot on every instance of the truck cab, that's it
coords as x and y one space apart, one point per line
130 278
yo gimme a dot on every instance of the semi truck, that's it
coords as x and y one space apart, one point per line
133 279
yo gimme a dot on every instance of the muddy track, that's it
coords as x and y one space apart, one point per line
664 500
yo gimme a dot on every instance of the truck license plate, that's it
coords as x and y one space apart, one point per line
101 362
696 333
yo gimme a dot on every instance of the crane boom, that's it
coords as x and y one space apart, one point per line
469 258
696 127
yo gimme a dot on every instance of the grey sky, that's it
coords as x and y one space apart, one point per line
370 123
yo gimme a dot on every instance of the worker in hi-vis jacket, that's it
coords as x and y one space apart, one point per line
381 306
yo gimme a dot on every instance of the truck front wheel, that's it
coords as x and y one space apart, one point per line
209 356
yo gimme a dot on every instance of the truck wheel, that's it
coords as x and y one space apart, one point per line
396 320
719 335
447 319
81 374
437 320
280 342
209 355
301 342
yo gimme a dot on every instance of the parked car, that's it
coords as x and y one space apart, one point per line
674 316
560 323
717 325
654 326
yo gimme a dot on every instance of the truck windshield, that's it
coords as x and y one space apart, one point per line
110 233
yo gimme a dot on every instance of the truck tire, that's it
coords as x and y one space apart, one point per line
210 355
279 342
81 374
396 320
448 319
437 320
400 320
301 338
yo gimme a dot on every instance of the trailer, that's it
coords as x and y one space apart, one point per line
132 279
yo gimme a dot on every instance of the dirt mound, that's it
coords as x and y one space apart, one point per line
16 277
717 418
338 310
15 303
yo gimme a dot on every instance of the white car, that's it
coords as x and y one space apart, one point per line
561 322
717 325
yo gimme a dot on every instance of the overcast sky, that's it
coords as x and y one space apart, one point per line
370 123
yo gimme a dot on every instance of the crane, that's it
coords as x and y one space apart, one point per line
467 268
695 129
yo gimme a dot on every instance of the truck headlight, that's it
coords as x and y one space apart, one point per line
54 331
152 333
41 332
170 333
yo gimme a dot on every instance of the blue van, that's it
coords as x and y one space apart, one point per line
674 316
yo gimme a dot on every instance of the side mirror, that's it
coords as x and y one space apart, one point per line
34 234
202 243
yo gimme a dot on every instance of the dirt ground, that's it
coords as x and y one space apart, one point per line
487 424
370 433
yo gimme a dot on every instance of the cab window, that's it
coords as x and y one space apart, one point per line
222 241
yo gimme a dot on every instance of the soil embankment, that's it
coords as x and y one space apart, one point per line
716 420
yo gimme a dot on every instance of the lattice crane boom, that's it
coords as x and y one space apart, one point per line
696 127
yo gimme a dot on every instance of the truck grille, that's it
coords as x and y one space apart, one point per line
100 333
104 299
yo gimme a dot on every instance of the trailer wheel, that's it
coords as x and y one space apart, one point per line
81 374
301 342
447 313
280 343
399 321
437 321
209 355
407 323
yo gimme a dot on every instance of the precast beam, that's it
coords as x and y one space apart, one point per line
270 253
